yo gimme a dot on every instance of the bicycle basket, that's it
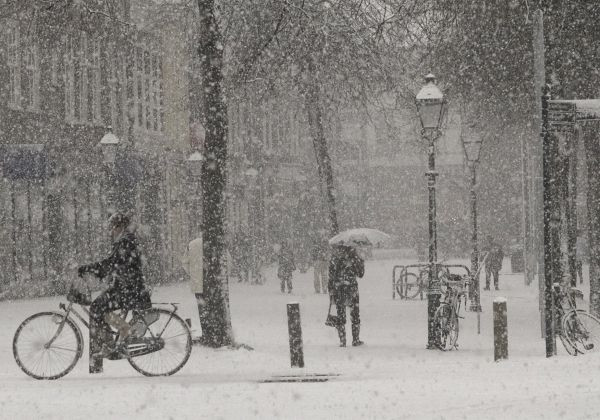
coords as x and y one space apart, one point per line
78 297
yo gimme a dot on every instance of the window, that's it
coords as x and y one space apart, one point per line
30 88
84 65
112 85
161 107
96 82
147 105
14 64
138 87
69 78
123 101
156 93
54 68
147 90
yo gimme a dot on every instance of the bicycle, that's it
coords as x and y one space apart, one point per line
48 345
578 330
447 314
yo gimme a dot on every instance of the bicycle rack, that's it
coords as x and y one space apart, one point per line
399 283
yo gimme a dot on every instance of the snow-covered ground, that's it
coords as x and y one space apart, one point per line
392 376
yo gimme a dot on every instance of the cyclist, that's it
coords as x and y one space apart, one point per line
123 270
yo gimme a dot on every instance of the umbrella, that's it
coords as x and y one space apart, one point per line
360 237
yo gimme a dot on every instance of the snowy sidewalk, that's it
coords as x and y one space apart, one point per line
393 376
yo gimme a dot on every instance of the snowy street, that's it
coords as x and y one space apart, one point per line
392 376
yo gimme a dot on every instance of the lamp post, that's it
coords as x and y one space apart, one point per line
109 145
431 107
472 149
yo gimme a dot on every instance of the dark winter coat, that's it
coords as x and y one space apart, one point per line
345 266
495 255
286 262
123 267
319 250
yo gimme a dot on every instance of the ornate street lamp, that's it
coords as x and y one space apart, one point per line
431 107
194 164
471 143
109 145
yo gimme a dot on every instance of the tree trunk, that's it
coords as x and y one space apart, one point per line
315 121
592 159
217 328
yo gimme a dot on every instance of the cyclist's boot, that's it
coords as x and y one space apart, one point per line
342 334
103 343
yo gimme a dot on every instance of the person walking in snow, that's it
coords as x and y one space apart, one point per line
493 261
286 267
319 252
193 264
345 266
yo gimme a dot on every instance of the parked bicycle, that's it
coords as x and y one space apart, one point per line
578 330
48 345
448 313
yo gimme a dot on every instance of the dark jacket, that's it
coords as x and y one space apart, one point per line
123 267
495 255
319 250
286 261
345 266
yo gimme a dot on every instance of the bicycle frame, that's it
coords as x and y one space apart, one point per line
69 309
453 296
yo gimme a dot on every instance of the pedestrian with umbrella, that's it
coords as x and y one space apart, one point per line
345 266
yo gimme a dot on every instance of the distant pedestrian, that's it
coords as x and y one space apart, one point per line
193 265
242 255
494 255
319 255
286 266
345 266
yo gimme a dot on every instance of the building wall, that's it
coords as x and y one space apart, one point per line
61 87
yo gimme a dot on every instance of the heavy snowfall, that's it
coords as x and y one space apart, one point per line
299 209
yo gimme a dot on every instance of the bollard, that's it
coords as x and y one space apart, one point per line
96 363
500 330
295 333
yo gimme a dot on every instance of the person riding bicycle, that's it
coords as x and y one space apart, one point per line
123 270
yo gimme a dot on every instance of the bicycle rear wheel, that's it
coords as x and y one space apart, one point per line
45 351
446 323
412 285
171 330
570 348
582 330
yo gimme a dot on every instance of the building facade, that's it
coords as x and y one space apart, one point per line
63 88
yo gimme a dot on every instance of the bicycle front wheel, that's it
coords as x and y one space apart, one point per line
446 323
47 345
174 333
582 330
